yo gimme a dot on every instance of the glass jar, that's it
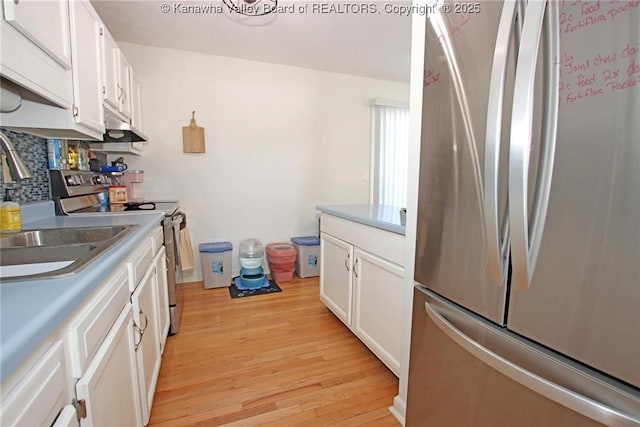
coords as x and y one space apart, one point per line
73 156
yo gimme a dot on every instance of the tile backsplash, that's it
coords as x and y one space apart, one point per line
33 152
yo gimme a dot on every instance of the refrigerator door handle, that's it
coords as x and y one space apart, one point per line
555 392
525 240
495 245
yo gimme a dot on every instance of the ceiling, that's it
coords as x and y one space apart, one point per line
331 36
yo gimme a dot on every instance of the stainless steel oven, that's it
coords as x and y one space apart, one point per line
82 192
171 226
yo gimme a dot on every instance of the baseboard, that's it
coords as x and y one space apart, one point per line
399 409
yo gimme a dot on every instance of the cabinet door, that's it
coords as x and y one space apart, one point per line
68 417
87 80
38 398
109 387
160 265
335 276
145 315
377 304
44 23
125 86
136 102
110 70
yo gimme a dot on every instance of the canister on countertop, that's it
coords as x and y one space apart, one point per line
57 153
118 194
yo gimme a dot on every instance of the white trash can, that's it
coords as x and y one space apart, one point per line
308 259
216 264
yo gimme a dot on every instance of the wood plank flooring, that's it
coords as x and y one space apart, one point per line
279 359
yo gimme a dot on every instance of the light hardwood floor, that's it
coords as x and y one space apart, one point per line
280 359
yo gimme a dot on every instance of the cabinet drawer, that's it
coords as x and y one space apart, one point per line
383 243
157 240
138 263
87 331
39 397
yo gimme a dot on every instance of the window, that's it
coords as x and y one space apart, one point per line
390 159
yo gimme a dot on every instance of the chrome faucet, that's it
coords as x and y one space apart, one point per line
17 168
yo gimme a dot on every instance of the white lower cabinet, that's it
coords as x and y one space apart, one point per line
102 364
101 359
377 315
41 395
68 417
147 346
361 279
336 288
109 386
160 266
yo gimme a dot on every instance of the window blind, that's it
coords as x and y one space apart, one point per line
392 141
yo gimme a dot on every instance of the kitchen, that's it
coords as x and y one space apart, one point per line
272 133
255 179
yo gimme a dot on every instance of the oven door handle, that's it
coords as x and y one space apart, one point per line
176 220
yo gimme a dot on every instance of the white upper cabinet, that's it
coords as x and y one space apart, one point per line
136 102
110 70
35 46
125 86
44 23
87 65
116 79
61 51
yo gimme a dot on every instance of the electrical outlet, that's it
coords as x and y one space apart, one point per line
6 175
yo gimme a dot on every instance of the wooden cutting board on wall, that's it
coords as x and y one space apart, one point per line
193 137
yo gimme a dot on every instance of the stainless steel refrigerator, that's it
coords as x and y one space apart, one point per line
527 299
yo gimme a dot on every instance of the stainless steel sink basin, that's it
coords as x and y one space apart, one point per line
50 253
60 236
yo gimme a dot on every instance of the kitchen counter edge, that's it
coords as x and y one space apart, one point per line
30 311
384 217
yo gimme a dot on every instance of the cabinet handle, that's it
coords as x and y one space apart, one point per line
355 267
124 95
119 92
347 261
146 321
140 332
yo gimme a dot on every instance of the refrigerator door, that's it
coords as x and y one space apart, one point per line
576 262
465 371
452 255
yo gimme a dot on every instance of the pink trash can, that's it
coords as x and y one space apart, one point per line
282 261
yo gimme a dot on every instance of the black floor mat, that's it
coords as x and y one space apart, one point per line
238 293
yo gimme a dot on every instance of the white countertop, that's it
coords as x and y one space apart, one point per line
31 310
380 216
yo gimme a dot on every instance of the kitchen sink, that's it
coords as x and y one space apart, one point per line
52 253
60 236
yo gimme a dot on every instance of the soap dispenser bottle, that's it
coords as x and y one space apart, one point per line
10 215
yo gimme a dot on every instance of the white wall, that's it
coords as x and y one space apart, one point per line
279 141
418 28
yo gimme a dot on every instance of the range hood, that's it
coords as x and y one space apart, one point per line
117 130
